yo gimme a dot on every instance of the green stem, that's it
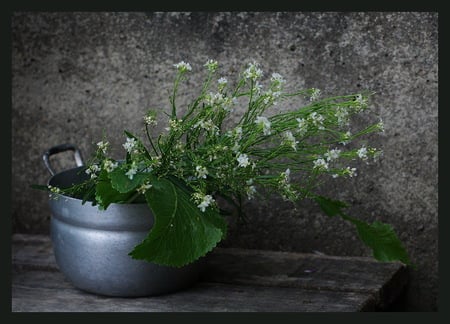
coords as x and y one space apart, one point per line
132 198
150 140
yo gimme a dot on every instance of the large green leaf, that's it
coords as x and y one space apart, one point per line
181 232
380 237
122 183
105 194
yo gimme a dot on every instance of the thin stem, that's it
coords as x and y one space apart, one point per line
132 198
150 140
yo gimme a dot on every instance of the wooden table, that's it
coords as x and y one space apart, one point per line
236 280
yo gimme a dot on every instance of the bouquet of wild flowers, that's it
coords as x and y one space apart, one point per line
203 156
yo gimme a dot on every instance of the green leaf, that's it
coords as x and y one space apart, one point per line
128 134
122 183
88 195
105 194
329 206
40 187
181 232
378 236
383 241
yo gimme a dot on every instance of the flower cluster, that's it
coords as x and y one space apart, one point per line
261 150
208 151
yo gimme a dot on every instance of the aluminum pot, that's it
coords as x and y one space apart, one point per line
91 246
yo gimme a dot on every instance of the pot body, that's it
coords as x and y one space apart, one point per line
91 246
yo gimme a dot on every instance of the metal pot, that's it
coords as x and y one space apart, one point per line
91 246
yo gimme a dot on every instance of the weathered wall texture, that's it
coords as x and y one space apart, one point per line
77 75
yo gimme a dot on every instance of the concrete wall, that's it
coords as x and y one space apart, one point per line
79 75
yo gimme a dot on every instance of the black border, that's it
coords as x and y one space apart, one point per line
279 5
226 5
5 131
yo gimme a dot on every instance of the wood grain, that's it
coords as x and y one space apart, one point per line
235 280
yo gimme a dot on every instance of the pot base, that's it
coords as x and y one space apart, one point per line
97 261
91 249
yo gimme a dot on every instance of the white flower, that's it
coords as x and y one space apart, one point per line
315 94
183 66
346 138
376 154
243 160
206 201
277 83
251 189
290 140
316 119
130 144
277 80
132 171
207 125
320 164
201 172
220 100
211 65
286 175
361 101
54 189
351 172
156 161
362 153
271 96
92 170
212 99
228 103
144 187
179 146
174 125
302 126
237 133
103 146
342 116
109 165
147 169
222 82
332 154
253 72
150 120
257 88
380 126
288 193
265 123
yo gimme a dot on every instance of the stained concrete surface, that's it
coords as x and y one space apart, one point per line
77 76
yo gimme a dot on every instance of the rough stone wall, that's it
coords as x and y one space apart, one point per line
77 76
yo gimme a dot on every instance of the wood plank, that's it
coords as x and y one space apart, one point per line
235 280
384 281
43 291
33 252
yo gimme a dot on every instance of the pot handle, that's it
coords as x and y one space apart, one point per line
58 149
